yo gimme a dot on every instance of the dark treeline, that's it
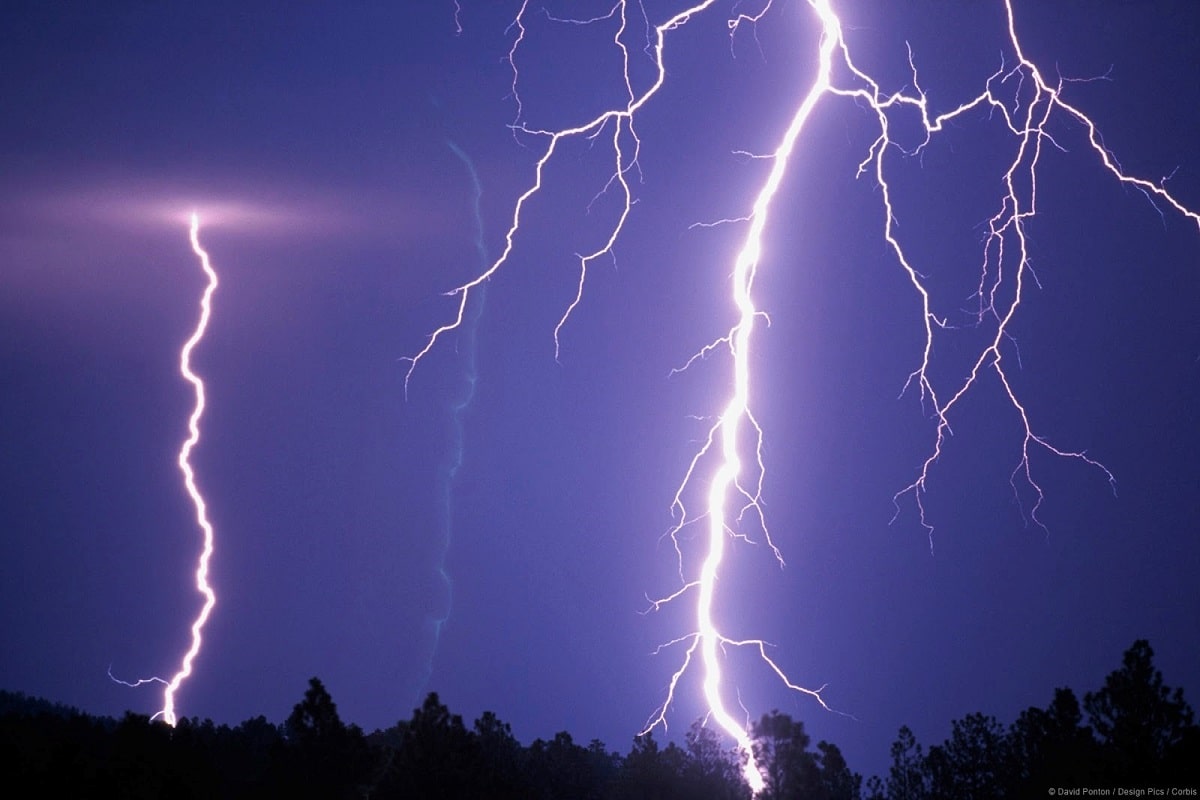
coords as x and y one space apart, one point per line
1133 732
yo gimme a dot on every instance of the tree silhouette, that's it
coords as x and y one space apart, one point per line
712 770
500 758
970 765
1143 726
907 779
328 758
559 768
1051 747
837 781
436 757
648 772
792 771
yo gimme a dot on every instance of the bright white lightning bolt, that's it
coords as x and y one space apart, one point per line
1005 265
167 713
189 479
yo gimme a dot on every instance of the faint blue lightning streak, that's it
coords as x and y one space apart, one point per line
723 443
458 408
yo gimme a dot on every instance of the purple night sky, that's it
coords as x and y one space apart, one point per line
315 140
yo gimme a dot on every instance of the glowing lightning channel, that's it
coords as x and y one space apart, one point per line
189 479
1026 118
728 426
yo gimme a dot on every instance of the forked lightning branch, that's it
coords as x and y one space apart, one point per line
728 468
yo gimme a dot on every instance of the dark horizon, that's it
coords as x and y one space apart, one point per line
1135 736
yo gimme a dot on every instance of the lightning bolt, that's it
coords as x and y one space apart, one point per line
167 712
728 469
189 479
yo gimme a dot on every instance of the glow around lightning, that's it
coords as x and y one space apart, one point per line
728 469
189 481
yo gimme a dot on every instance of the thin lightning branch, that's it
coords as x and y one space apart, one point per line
720 463
189 480
518 24
624 160
1006 233
134 683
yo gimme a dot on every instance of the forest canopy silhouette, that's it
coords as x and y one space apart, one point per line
1134 732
